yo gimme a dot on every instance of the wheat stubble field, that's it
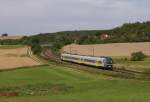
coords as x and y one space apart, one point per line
15 57
114 49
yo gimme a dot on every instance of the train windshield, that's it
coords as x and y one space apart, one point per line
109 61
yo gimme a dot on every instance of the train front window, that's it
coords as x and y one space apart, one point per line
109 61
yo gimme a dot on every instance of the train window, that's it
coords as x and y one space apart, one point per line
88 60
73 58
109 61
100 62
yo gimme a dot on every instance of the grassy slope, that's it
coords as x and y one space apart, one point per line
133 65
85 87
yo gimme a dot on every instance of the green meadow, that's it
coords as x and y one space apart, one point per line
62 84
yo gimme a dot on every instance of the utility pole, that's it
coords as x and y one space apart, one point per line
70 48
93 50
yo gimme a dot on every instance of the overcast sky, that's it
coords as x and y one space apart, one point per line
40 16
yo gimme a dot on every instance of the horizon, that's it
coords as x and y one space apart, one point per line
71 30
32 17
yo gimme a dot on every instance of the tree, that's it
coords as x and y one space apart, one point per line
137 56
35 46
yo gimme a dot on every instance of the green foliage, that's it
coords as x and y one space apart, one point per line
36 49
137 56
35 46
132 32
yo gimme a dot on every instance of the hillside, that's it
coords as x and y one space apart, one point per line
129 32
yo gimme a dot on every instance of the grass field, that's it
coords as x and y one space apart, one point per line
56 83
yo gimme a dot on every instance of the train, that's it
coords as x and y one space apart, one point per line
96 61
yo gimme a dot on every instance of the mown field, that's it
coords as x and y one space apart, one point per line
57 83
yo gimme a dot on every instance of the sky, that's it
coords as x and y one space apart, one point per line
42 16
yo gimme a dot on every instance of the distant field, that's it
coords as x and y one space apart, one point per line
114 49
10 37
62 84
13 56
10 46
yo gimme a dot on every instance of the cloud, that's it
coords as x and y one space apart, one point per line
36 16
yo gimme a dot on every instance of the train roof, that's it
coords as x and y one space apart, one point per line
87 55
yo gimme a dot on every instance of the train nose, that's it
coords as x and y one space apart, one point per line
109 66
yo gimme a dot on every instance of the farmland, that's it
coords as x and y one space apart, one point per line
56 82
15 56
113 49
10 37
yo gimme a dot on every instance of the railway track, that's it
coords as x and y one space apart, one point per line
116 72
30 54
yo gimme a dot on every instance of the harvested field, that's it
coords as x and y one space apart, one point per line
10 37
18 57
114 49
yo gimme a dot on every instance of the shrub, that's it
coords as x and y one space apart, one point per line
137 56
35 46
36 49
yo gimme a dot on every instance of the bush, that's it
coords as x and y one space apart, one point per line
36 49
35 46
137 56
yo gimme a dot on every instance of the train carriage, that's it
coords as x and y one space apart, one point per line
105 62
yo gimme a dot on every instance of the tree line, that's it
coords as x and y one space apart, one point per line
129 32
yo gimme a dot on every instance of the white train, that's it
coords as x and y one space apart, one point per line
105 62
